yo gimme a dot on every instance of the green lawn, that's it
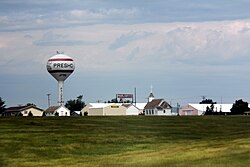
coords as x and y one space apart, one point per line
208 141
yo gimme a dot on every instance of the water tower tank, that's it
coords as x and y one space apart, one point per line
60 66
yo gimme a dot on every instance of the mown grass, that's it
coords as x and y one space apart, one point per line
125 141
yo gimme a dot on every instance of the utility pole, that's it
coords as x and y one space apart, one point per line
135 97
48 99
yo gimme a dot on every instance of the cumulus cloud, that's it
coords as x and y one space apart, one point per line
86 14
128 38
160 46
103 13
196 43
52 39
26 20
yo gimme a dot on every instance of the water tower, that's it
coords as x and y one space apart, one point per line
60 66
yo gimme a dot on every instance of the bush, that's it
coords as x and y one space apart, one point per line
142 113
85 113
30 114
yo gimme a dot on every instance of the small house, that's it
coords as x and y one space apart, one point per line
27 110
57 111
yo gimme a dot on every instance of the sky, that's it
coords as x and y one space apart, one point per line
185 49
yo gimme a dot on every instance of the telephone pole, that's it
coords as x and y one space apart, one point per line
48 99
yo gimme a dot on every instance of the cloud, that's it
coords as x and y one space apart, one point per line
124 39
211 46
104 13
86 14
133 54
3 44
26 20
26 15
52 39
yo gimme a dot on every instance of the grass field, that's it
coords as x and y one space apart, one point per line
220 141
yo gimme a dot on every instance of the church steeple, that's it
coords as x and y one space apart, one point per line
151 96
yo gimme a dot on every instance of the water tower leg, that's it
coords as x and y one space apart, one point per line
60 91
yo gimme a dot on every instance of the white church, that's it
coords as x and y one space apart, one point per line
157 107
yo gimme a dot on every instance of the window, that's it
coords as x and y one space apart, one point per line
164 111
25 112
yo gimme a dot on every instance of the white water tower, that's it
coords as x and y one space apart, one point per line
60 66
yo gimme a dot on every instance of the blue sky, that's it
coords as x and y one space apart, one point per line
184 48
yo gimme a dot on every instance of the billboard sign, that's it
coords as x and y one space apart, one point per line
124 96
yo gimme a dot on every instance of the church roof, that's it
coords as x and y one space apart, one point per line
157 103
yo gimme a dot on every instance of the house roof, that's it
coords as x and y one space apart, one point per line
22 108
157 103
52 109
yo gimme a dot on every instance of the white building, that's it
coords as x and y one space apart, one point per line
140 106
158 107
200 109
57 111
110 109
29 109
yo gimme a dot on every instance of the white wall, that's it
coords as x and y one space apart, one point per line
132 110
62 111
164 112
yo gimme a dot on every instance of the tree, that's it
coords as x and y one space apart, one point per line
207 101
210 110
239 107
115 100
2 106
76 104
30 114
